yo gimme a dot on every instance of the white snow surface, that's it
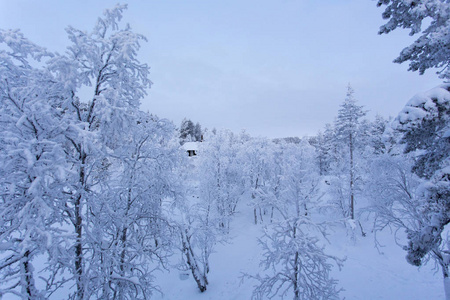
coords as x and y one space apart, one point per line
367 274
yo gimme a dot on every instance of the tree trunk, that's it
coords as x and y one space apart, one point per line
446 274
260 214
78 224
271 214
28 276
352 199
447 287
296 271
79 248
199 278
254 197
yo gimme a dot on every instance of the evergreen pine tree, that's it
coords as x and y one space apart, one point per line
348 133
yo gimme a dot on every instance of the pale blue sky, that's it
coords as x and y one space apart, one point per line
275 68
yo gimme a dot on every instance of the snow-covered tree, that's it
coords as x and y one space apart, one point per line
83 178
376 135
425 124
299 180
190 132
32 167
392 190
349 134
199 232
132 231
196 218
432 48
293 256
198 133
214 185
221 182
187 131
259 169
325 149
104 59
301 267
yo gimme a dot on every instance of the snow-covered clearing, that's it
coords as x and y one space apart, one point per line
368 272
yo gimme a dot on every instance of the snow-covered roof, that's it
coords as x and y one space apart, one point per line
190 146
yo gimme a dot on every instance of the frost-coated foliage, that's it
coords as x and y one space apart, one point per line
82 179
350 135
97 194
199 234
392 188
348 119
221 182
131 229
33 166
106 60
432 48
343 153
325 149
261 170
212 195
299 264
425 124
410 191
293 258
196 216
299 181
190 132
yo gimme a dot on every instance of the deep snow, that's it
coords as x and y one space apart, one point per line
368 273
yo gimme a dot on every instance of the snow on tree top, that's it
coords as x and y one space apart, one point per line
423 105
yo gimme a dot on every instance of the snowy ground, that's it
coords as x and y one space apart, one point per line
366 274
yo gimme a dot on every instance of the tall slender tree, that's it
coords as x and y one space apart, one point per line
348 133
33 167
106 60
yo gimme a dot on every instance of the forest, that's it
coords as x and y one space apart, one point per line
99 199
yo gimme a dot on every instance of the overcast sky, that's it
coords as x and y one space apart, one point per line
273 67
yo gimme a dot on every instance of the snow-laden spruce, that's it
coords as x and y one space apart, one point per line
411 192
342 151
348 132
432 48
